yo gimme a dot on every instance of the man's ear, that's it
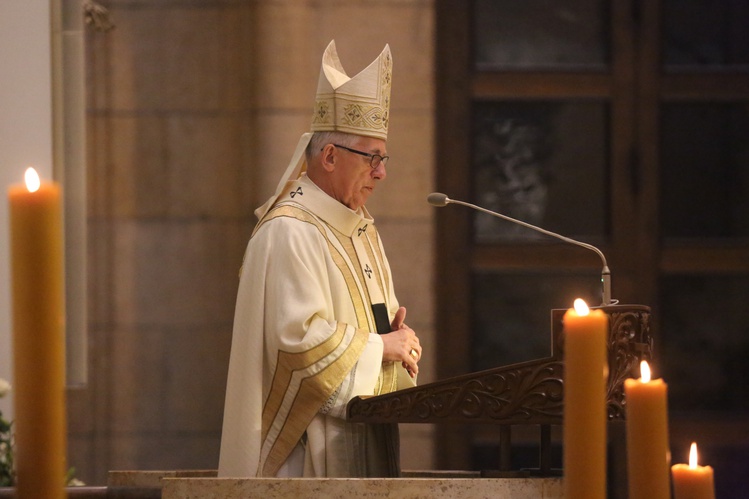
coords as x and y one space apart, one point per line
328 157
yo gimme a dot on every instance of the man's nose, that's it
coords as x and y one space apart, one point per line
380 172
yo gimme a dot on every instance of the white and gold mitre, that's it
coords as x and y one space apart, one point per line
358 105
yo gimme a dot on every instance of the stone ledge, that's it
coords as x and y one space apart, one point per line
390 488
152 478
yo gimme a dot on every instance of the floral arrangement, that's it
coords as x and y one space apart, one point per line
7 474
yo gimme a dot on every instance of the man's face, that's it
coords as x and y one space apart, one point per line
353 178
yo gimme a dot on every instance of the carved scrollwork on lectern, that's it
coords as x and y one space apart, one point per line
523 393
629 343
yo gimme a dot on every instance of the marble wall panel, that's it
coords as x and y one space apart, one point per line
176 56
136 170
139 450
292 36
361 29
137 381
164 451
195 379
202 165
277 136
287 62
99 258
132 62
248 165
98 157
410 174
181 273
81 455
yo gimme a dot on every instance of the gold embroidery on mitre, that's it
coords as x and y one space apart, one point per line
358 105
373 117
387 81
322 113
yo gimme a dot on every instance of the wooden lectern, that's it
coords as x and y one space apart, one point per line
525 393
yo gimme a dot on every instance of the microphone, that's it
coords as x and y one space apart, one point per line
438 199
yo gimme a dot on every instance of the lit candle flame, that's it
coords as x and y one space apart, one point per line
32 180
581 307
693 456
644 372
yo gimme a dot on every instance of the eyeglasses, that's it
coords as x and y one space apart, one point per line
374 159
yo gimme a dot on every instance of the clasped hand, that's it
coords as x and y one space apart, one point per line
402 344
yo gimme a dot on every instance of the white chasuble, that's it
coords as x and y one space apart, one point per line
305 343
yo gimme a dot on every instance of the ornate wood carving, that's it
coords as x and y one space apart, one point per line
526 393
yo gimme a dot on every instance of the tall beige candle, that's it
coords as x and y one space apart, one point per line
584 432
647 437
38 338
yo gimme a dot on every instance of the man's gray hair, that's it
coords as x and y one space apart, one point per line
321 139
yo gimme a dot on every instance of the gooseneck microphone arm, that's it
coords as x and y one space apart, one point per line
438 199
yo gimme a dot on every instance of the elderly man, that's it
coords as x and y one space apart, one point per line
317 321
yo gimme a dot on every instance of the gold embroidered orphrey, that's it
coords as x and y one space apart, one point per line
358 105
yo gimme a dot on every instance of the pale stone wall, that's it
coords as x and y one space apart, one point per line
194 109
